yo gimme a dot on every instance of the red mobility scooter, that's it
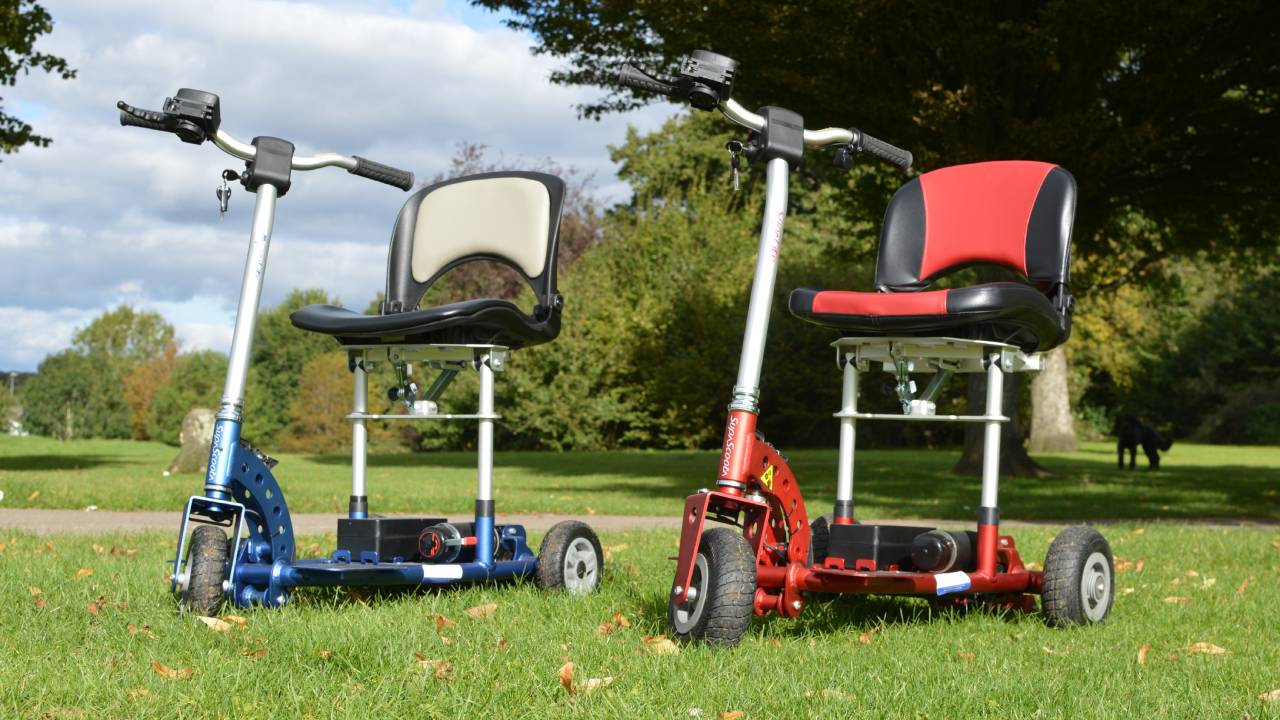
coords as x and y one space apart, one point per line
1013 214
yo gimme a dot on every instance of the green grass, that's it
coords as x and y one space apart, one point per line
1195 481
60 660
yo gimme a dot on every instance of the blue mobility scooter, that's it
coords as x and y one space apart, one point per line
508 217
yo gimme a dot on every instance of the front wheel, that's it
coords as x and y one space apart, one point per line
570 558
721 591
1079 578
206 570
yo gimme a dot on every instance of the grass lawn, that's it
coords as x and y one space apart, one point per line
1194 481
108 643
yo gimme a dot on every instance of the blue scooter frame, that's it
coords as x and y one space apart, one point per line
240 491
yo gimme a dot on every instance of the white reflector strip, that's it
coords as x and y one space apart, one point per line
951 582
448 572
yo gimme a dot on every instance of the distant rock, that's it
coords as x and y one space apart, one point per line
196 436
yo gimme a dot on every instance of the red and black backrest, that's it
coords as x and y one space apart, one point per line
1012 213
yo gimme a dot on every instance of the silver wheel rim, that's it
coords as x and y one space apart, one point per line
581 567
1095 587
685 616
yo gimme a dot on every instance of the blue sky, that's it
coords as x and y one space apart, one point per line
111 215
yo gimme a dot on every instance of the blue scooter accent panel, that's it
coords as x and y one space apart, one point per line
270 527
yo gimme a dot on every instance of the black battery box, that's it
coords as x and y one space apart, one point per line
390 537
887 546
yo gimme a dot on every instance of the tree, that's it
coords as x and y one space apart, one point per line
22 22
71 397
195 381
124 337
1165 113
141 384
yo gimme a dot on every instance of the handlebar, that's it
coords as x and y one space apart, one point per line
689 88
194 117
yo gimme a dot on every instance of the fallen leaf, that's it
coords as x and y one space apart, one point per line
216 625
593 684
775 642
443 670
137 692
731 715
130 552
605 629
255 654
1208 583
483 612
443 622
661 645
1243 584
1207 649
1142 562
609 550
566 677
236 620
1142 654
446 640
1051 651
1178 600
1273 695
865 638
34 494
966 656
40 603
621 620
145 631
631 569
1139 531
83 572
1034 567
166 671
1192 573
1275 544
591 510
98 548
96 606
34 590
1123 565
1128 591
326 654
503 644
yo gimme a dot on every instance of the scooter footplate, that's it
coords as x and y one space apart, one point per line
327 573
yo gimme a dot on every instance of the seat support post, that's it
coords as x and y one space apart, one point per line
484 449
843 514
358 506
988 510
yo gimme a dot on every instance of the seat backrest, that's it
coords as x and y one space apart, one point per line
1013 213
507 217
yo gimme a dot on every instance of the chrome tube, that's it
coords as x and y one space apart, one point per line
746 391
733 110
848 434
484 443
246 151
991 438
359 431
255 267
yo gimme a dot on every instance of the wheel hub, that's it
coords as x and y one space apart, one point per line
1095 587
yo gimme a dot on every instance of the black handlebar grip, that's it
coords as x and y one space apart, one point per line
632 76
149 119
382 173
891 154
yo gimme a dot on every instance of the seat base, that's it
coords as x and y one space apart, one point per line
472 322
1004 312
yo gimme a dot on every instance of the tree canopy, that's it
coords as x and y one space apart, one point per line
22 22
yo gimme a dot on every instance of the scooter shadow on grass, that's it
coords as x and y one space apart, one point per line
57 462
836 614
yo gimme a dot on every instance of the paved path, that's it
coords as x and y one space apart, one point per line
105 521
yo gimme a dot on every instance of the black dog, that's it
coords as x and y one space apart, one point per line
1130 433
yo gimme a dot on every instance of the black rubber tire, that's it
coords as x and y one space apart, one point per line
1067 568
819 539
551 558
728 591
206 570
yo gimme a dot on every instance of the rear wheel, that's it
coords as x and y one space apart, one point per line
721 591
570 558
1079 578
206 570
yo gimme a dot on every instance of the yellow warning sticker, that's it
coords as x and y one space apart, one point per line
767 478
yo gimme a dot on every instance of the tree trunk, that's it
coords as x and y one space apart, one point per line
1014 459
1052 429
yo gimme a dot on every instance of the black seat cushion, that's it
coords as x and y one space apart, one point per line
1007 312
477 322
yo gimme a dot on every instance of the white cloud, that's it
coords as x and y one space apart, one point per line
110 214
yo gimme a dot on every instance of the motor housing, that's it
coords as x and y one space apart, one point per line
943 551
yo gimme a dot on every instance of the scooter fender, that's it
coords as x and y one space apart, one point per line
696 509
